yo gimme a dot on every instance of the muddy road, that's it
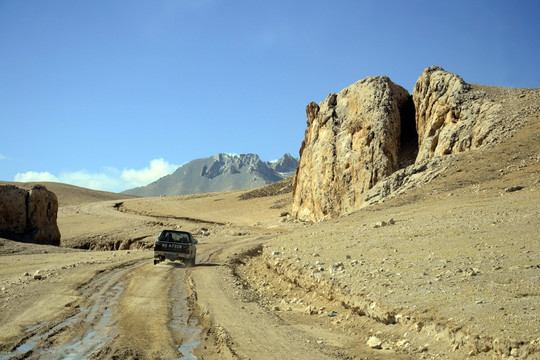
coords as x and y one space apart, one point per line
60 303
136 310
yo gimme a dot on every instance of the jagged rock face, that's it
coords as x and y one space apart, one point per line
230 164
451 115
29 215
285 164
352 141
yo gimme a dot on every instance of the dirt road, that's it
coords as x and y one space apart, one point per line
118 305
134 309
123 312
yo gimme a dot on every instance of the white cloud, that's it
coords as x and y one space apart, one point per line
96 181
2 157
110 179
158 168
30 176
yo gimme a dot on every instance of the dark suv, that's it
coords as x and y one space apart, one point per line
175 245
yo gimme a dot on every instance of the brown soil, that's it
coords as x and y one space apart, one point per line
448 270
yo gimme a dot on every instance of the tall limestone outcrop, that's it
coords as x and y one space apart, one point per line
370 140
452 116
29 215
352 141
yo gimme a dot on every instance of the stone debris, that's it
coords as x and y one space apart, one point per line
38 275
333 314
374 342
514 188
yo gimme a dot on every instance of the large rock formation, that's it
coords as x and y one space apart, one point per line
370 130
451 115
29 215
352 141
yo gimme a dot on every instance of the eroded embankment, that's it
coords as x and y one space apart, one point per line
285 285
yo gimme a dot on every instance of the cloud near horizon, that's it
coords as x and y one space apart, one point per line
111 179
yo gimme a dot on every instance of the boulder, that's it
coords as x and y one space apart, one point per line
452 116
29 215
352 141
374 342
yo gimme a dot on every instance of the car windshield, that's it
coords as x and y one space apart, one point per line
174 237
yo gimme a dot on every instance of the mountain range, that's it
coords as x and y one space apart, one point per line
221 172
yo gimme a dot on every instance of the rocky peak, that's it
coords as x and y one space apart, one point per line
231 164
286 164
221 172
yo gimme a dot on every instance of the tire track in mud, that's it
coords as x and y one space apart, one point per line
98 327
152 319
80 334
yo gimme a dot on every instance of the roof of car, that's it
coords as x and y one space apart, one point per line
177 231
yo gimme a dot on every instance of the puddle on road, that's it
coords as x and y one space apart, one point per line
22 349
181 323
106 297
94 338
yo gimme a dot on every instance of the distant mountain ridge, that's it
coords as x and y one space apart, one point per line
221 172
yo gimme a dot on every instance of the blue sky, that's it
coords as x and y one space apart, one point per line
115 94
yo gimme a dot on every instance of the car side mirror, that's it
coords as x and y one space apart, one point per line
195 241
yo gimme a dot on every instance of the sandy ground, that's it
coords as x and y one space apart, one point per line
450 270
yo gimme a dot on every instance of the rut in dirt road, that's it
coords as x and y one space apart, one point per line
100 327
